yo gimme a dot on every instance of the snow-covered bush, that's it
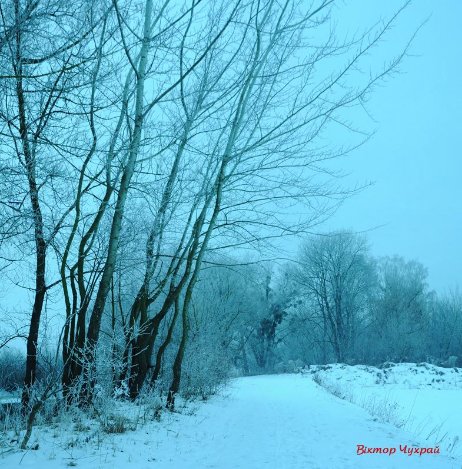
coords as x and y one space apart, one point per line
116 423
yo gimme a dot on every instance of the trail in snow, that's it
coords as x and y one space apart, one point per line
284 421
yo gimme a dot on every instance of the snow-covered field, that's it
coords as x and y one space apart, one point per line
279 421
423 399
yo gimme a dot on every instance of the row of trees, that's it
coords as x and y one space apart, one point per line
333 303
139 138
344 305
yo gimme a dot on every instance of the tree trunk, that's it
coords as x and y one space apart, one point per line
165 344
176 380
32 338
40 244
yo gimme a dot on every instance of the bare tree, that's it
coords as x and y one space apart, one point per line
147 65
399 312
444 328
43 52
263 157
335 274
203 138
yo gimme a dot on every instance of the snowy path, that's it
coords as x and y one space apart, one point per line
289 422
276 422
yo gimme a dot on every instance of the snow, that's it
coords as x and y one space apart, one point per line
279 421
8 398
421 398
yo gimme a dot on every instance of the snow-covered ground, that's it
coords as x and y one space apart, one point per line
8 398
423 399
280 421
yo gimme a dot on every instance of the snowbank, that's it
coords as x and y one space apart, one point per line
423 399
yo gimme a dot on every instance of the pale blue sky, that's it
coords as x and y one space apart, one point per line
415 157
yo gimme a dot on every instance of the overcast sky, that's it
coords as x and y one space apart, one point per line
414 159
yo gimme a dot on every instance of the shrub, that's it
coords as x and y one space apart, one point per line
116 424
